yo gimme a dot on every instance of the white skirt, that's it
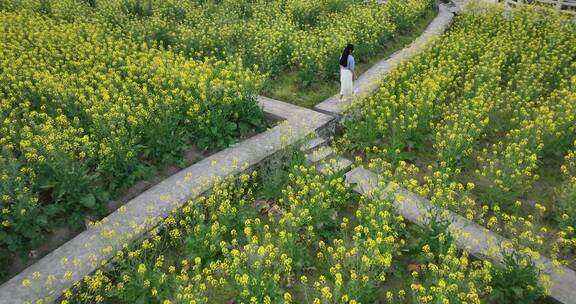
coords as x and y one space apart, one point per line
346 84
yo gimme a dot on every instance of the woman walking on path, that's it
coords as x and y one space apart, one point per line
347 73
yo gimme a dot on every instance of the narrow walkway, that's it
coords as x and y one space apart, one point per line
95 246
368 81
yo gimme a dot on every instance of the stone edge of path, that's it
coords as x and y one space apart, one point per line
92 248
368 81
476 239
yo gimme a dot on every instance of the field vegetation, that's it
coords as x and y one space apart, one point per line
316 242
483 123
96 95
296 43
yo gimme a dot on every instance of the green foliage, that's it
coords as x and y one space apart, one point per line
73 190
517 281
139 8
436 237
214 217
315 197
45 7
84 123
91 3
224 126
274 176
23 222
566 200
145 272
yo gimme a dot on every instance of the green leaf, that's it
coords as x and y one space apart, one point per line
42 220
518 291
231 126
244 127
103 196
88 201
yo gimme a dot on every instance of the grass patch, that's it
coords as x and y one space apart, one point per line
287 86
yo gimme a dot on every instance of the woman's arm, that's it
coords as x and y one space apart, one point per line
352 66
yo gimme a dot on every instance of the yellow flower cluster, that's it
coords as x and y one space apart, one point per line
359 263
274 35
299 250
366 25
566 194
85 110
100 92
454 278
479 123
218 242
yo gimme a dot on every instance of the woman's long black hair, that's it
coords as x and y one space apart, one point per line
347 51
